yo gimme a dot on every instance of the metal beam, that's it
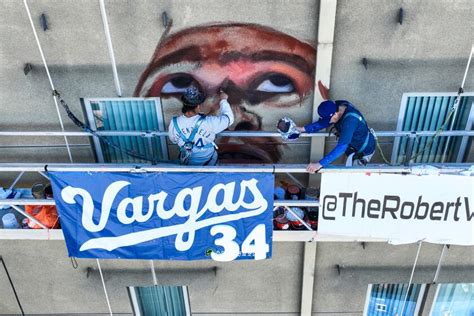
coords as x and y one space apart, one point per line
448 168
326 26
110 47
31 218
228 134
309 264
278 236
291 203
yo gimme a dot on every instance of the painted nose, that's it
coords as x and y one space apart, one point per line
235 93
245 120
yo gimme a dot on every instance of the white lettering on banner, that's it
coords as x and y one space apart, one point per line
255 207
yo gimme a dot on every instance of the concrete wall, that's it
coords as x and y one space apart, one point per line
76 52
428 52
46 282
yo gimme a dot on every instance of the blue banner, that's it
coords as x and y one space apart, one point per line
177 216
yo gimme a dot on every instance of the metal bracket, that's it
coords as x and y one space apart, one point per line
147 134
365 62
165 19
89 270
28 67
44 22
138 169
339 267
400 16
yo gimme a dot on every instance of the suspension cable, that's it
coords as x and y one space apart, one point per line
49 77
103 284
452 111
153 273
456 105
108 38
411 277
438 268
87 129
13 287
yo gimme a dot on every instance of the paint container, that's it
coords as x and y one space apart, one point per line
294 222
311 193
293 192
9 221
312 217
280 222
24 223
279 193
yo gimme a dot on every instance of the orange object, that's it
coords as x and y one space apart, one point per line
45 214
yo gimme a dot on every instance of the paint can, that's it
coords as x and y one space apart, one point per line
293 192
280 221
279 193
9 221
312 217
294 222
311 193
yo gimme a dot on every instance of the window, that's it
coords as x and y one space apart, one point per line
389 299
127 114
454 300
159 300
427 112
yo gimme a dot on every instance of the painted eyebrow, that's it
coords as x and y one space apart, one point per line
269 55
193 53
189 53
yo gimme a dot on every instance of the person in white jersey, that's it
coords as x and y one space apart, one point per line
195 132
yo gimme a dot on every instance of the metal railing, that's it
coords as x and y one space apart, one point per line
412 137
229 133
143 168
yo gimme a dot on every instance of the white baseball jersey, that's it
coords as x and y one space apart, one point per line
206 133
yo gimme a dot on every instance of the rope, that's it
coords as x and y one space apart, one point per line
443 125
108 38
49 77
438 268
411 277
153 273
11 284
105 289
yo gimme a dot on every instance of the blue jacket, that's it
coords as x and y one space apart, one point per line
352 134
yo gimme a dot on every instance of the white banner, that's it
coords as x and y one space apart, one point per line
399 208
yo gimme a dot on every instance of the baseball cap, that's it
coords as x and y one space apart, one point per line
192 97
326 110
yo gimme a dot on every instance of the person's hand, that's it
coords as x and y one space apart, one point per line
223 95
314 167
301 129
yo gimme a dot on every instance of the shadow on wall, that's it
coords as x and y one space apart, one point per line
266 73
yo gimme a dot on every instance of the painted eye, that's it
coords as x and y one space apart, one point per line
276 83
178 84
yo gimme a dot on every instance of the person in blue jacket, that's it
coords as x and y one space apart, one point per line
355 138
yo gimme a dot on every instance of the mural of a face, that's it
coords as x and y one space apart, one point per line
267 75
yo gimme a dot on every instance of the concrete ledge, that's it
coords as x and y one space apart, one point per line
278 236
33 234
